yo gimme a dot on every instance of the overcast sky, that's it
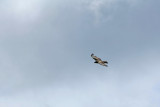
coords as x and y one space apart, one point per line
45 48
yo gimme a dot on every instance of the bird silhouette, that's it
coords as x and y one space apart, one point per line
99 61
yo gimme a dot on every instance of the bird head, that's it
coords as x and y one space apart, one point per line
92 54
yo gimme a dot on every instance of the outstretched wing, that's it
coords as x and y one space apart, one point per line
95 57
105 62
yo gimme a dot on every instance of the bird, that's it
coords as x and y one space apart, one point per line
99 61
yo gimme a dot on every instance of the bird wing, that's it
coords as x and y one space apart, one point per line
105 62
102 63
95 57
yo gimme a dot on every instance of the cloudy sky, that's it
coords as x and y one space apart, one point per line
45 48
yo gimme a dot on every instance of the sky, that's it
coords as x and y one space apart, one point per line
45 48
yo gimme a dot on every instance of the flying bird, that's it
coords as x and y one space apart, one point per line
98 60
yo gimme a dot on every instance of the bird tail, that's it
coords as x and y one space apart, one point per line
106 65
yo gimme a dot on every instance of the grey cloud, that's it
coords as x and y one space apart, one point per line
45 57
